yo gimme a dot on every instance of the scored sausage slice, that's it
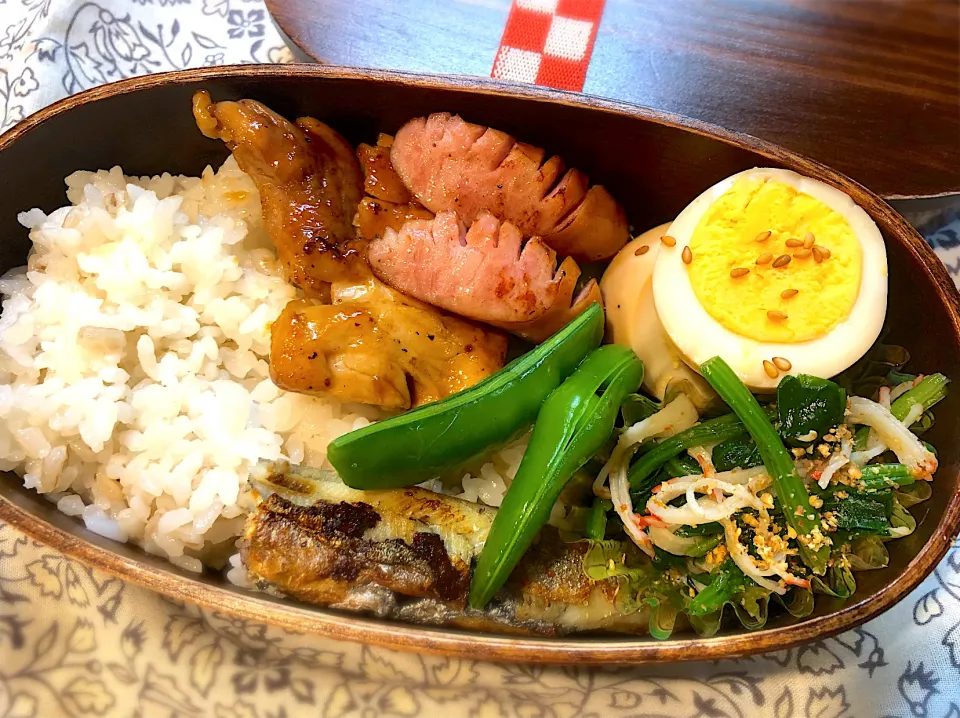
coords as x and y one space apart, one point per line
450 164
486 273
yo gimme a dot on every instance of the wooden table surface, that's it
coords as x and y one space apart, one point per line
870 87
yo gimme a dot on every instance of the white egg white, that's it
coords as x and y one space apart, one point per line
632 321
698 336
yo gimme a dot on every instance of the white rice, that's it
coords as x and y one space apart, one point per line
134 384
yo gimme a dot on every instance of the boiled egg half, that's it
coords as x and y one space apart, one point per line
772 271
627 288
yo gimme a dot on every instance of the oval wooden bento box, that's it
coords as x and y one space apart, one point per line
653 163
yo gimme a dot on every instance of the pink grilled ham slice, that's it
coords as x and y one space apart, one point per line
486 273
450 164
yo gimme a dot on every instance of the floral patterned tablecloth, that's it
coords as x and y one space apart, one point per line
75 642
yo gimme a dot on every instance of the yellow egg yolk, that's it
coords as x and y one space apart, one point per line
759 304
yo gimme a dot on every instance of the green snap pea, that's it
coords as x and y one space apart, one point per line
574 422
438 438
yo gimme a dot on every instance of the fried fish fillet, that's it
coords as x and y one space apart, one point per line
407 554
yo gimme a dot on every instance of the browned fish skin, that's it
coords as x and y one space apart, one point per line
309 181
331 556
414 562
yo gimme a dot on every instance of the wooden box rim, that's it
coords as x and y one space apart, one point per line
452 642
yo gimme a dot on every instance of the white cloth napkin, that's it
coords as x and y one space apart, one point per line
75 642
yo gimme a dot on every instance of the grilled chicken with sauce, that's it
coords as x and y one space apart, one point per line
375 346
374 216
486 273
389 203
380 179
309 183
407 553
363 341
450 164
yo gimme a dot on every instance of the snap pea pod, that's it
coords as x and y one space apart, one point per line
437 438
727 582
787 484
574 422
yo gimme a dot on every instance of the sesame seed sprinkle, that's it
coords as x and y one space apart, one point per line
776 315
782 261
794 242
802 254
788 293
642 250
765 258
809 240
763 236
686 255
782 363
738 272
770 368
668 240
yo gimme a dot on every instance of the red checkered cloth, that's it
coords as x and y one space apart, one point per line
548 42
